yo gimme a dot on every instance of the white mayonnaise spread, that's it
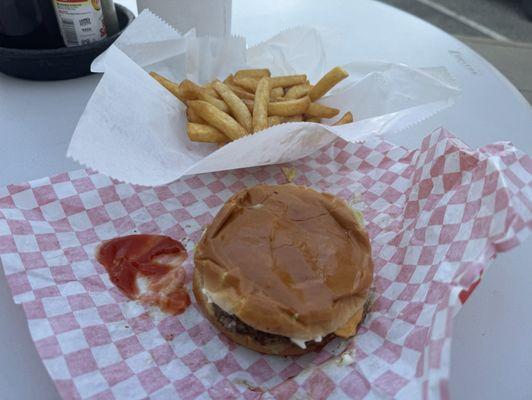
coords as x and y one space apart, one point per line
207 295
299 342
346 358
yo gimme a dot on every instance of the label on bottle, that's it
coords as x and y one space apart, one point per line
81 21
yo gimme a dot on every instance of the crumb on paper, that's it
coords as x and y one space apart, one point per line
359 216
372 297
155 314
247 384
353 204
346 358
290 173
149 362
355 199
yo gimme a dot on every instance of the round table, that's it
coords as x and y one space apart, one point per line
490 356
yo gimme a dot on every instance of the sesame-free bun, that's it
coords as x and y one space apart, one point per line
286 260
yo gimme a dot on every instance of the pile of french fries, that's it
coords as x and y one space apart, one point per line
252 100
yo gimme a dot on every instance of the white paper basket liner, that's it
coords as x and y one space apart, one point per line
134 130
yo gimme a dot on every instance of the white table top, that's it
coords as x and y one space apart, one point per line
491 351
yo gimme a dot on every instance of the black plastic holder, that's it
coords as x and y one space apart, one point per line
60 63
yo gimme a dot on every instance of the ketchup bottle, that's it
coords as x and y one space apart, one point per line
85 21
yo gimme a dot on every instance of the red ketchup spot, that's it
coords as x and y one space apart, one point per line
156 259
464 294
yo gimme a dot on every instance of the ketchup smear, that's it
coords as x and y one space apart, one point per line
153 259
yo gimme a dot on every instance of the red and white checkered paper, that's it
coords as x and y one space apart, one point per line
436 216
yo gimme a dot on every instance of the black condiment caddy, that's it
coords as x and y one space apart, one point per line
58 63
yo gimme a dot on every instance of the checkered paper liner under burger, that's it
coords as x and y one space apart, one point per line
436 216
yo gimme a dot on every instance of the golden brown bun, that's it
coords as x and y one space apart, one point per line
281 349
286 260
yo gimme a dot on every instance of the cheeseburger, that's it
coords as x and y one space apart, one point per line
283 269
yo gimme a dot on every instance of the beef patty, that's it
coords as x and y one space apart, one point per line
234 324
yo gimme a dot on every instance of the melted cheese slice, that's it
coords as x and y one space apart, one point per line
350 328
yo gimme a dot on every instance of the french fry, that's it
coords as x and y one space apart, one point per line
250 84
218 119
321 111
289 108
260 106
242 93
326 83
191 91
276 93
253 73
192 116
251 100
208 87
169 85
294 118
238 109
219 104
275 120
275 82
287 80
347 118
229 80
205 133
298 91
249 104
